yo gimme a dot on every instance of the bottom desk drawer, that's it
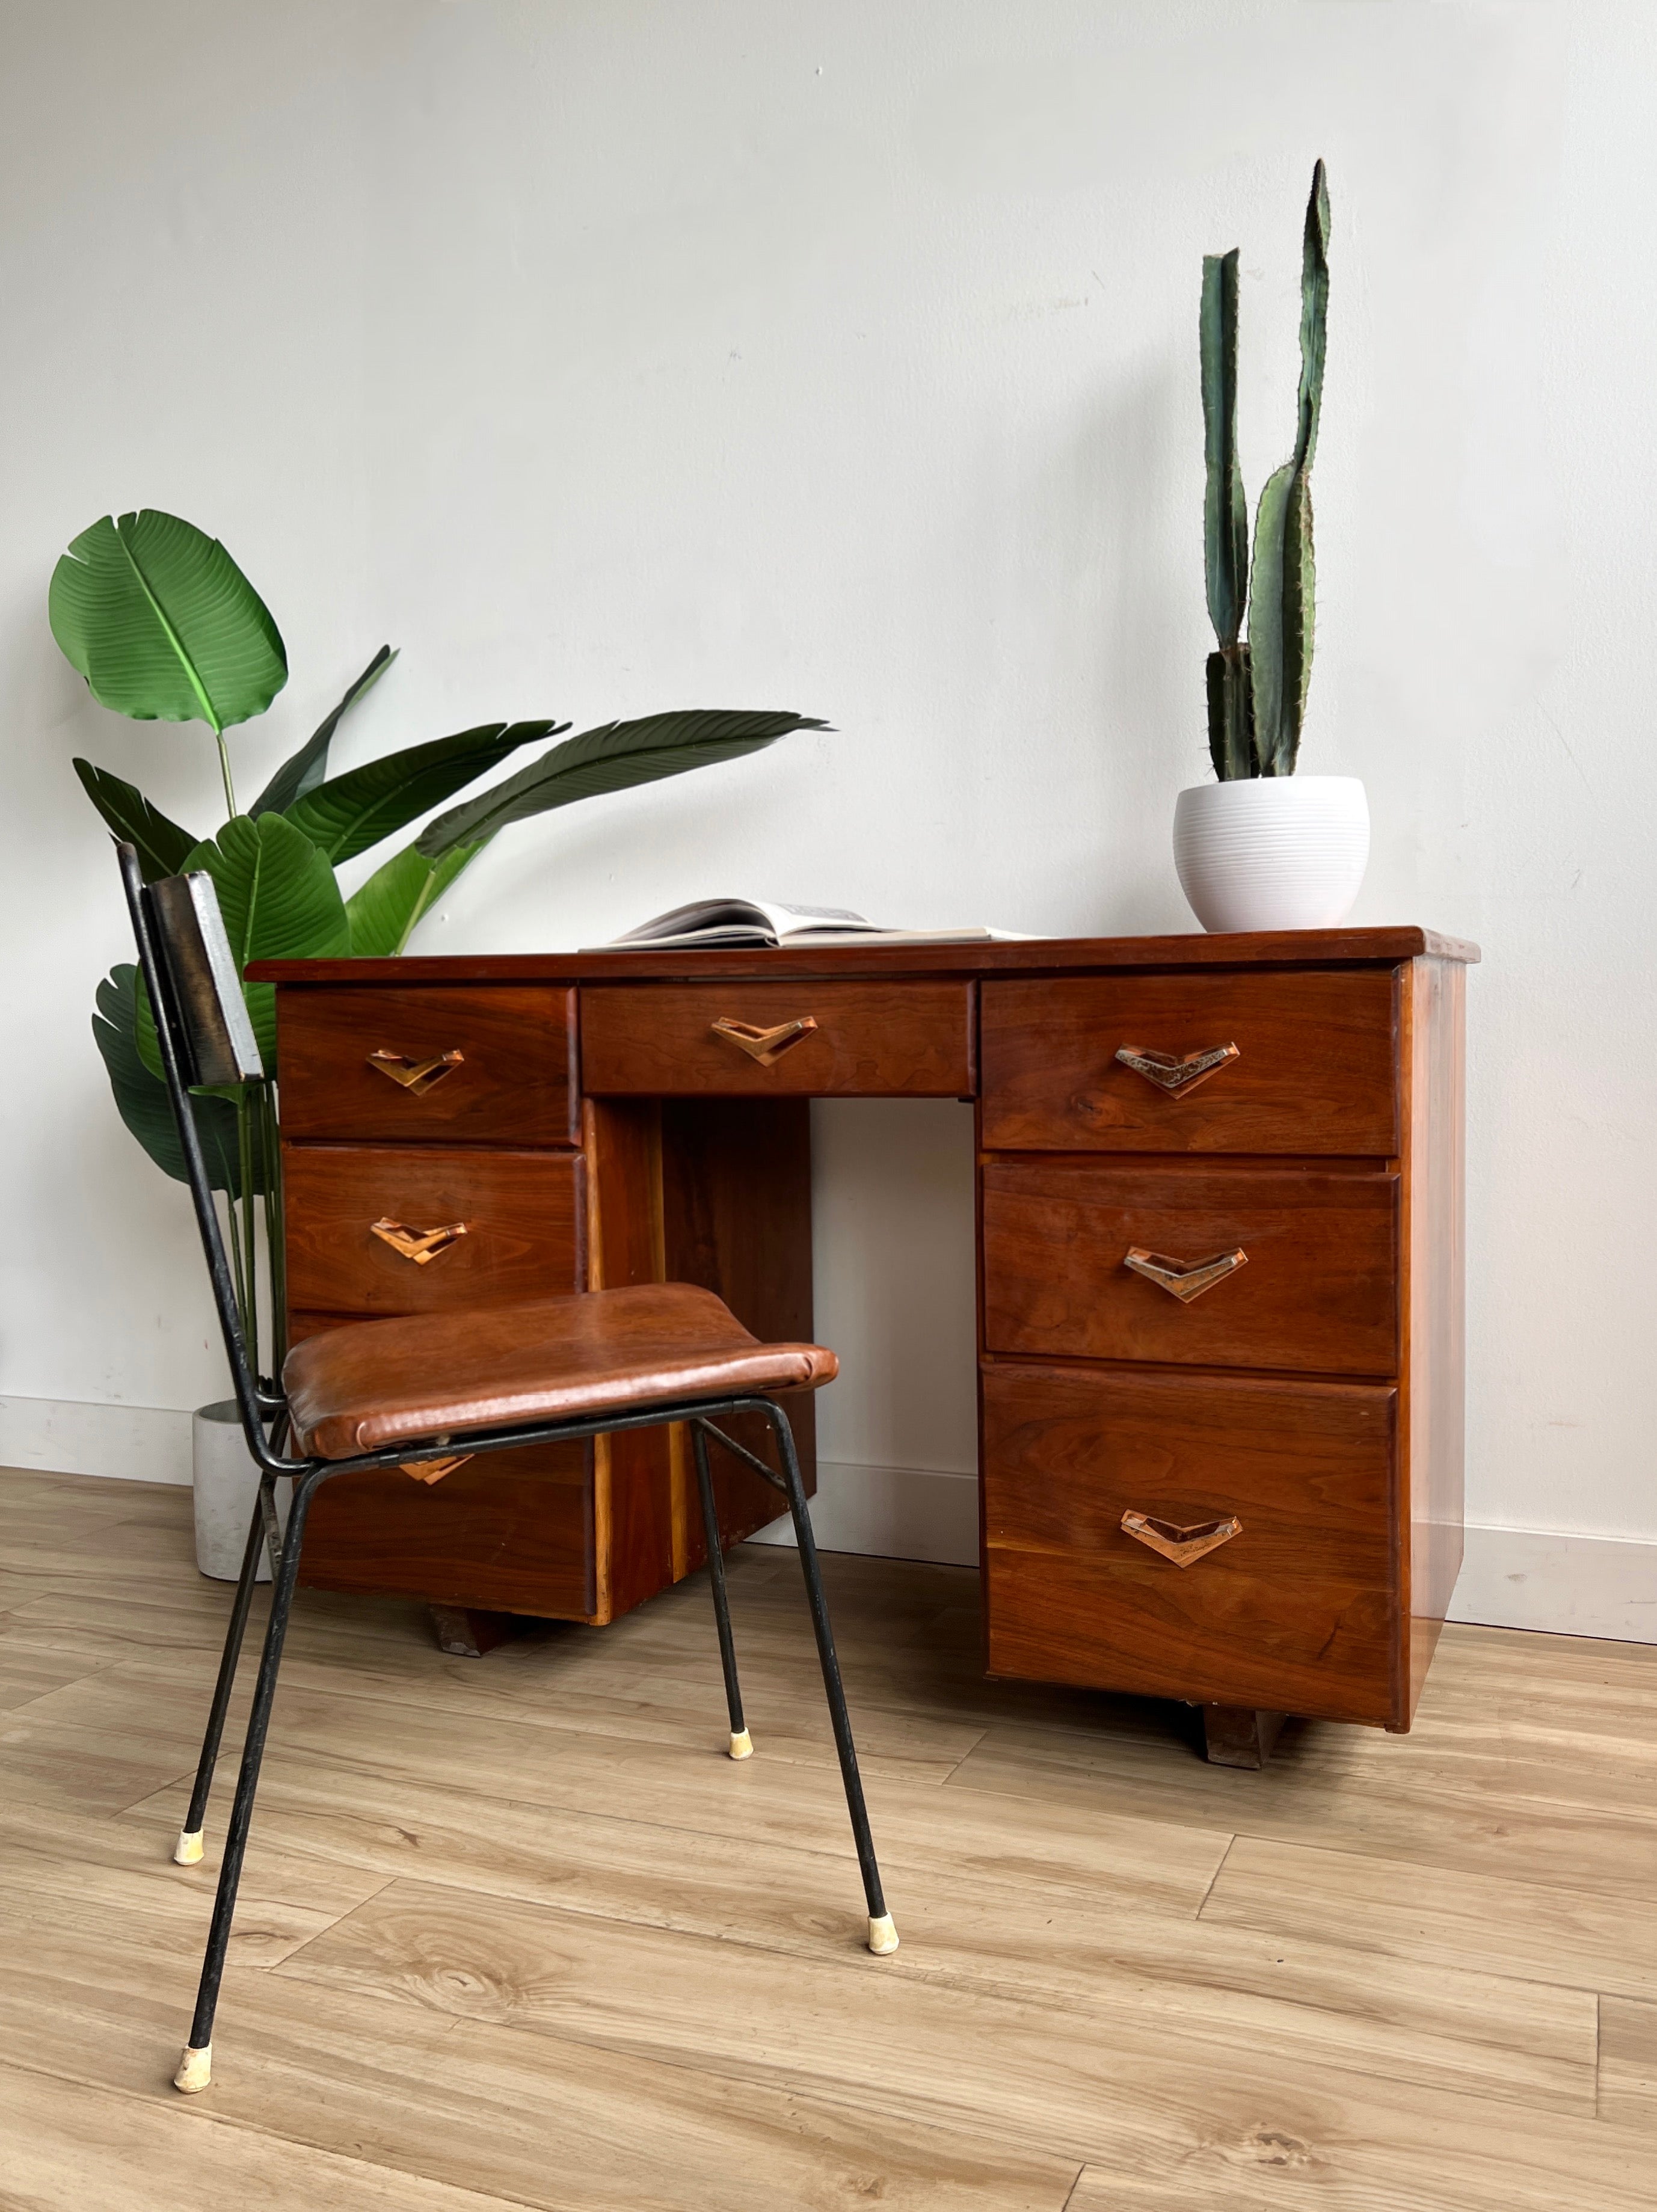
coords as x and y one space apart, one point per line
1292 1607
511 1532
507 1531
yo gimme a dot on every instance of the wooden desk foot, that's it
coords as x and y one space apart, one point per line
1237 1735
468 1632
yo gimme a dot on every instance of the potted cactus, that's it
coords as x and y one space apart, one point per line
1262 847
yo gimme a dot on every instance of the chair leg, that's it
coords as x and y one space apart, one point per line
195 2068
742 1744
882 1936
188 1850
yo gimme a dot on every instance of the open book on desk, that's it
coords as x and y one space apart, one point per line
736 925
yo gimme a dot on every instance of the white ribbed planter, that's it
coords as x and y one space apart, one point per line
1272 852
227 1485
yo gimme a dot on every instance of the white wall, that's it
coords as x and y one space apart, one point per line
605 355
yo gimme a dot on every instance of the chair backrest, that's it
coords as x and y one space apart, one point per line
205 1037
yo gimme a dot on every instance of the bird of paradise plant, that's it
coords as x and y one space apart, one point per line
164 626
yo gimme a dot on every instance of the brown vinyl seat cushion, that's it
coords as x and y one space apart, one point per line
377 1382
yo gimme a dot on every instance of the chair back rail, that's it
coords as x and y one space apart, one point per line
203 1036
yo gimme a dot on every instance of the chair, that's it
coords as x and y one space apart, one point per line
403 1394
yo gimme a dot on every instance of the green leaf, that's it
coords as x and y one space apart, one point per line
163 624
162 845
1225 508
303 770
612 758
141 1097
385 912
350 812
280 902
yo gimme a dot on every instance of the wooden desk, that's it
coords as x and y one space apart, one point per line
1240 1487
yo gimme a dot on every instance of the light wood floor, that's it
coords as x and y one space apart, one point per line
515 1932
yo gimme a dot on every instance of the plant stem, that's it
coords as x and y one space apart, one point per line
276 1247
224 770
236 1269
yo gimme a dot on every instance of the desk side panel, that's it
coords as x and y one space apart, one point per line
1435 1023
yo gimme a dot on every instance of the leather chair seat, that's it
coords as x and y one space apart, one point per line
378 1382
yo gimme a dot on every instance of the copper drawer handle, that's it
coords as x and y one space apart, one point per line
418 1076
421 1246
765 1046
1182 1546
1176 1072
1184 1280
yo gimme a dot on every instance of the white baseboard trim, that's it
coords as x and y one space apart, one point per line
1533 1578
1567 1585
63 1436
892 1512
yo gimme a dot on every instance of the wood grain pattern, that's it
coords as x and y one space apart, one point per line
1534 1930
632 1482
515 1085
1318 1294
559 1982
1315 1071
1289 948
524 1213
896 1040
1628 2063
1298 1613
511 1531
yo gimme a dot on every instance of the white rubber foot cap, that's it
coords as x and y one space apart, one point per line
742 1745
883 1937
195 2070
187 1852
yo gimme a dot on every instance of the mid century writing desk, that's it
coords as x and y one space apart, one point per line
1220 1271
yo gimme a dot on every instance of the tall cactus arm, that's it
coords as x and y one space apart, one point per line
1225 509
1281 603
1225 524
1314 316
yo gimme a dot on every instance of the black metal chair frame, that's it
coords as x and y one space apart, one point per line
186 984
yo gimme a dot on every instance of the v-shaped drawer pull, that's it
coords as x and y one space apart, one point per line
1182 1546
1184 1280
418 1076
765 1046
1176 1072
421 1246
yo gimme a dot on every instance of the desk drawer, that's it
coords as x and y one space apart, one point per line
489 1063
1316 1291
1295 1611
511 1531
778 1040
513 1222
1313 1070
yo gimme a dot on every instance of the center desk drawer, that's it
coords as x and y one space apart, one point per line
779 1040
418 1229
1278 1588
1291 1268
1260 1063
488 1063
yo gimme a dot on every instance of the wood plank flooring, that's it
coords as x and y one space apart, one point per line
514 1931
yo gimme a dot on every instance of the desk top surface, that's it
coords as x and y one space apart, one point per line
1289 948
